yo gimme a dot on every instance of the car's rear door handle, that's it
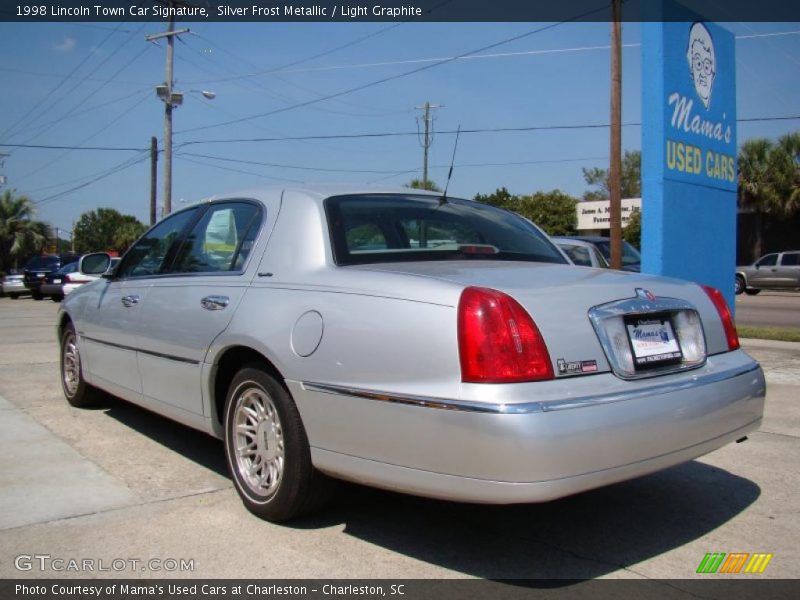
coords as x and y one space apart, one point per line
128 301
214 302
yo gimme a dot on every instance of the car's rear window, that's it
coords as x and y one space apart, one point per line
42 262
375 228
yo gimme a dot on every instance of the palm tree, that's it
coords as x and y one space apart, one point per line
769 180
20 235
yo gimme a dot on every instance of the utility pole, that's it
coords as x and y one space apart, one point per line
615 151
171 99
153 178
427 140
72 237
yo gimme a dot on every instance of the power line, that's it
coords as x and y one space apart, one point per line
212 165
54 147
126 110
367 135
392 172
548 51
66 78
394 77
112 171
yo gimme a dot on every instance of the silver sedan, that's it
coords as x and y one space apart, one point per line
408 341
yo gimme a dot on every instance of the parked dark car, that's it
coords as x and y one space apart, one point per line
631 259
40 266
53 284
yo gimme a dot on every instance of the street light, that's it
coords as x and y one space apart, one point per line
171 99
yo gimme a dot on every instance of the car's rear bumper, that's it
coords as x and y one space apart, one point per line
536 451
14 288
51 289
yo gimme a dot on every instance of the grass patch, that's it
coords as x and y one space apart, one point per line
770 333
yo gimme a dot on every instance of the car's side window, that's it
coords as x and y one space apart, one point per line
770 260
790 259
149 255
221 240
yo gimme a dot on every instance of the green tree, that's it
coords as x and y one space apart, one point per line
501 198
553 211
769 180
126 235
632 232
418 184
101 229
631 178
20 235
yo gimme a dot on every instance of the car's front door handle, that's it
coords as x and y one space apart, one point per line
214 302
128 301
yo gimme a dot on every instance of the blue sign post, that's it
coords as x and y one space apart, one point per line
689 170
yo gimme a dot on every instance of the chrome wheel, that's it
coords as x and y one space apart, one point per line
71 365
258 440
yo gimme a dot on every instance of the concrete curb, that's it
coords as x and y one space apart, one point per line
771 344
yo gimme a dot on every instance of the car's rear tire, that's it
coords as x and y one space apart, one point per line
13 296
740 286
37 295
77 392
752 291
56 298
267 450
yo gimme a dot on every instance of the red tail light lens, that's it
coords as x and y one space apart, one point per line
725 314
498 342
67 279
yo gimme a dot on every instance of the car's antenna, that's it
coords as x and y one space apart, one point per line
443 199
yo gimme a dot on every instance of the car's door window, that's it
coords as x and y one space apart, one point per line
770 260
790 260
150 254
221 240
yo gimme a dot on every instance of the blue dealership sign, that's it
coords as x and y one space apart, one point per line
700 105
689 170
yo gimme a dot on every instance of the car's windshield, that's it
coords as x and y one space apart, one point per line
373 228
630 255
42 262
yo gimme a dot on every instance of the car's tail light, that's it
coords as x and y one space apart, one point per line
498 342
67 279
724 314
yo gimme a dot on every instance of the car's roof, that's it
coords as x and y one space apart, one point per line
319 191
572 241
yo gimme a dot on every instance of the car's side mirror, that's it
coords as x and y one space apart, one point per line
757 266
96 263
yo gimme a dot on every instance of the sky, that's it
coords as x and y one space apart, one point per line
93 85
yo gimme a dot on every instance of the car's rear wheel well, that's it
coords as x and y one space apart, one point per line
231 361
62 325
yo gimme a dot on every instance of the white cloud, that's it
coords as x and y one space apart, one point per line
67 45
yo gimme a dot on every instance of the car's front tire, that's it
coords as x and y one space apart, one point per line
77 392
740 286
267 450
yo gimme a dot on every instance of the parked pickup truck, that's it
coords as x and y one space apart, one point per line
776 271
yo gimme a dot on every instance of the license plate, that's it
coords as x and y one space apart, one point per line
652 341
56 281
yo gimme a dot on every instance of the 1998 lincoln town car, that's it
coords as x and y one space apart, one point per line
408 341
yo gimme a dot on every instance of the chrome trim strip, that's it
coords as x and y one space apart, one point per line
599 315
132 349
530 407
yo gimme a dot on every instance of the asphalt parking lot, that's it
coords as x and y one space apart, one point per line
118 482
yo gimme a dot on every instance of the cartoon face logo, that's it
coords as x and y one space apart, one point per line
702 61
